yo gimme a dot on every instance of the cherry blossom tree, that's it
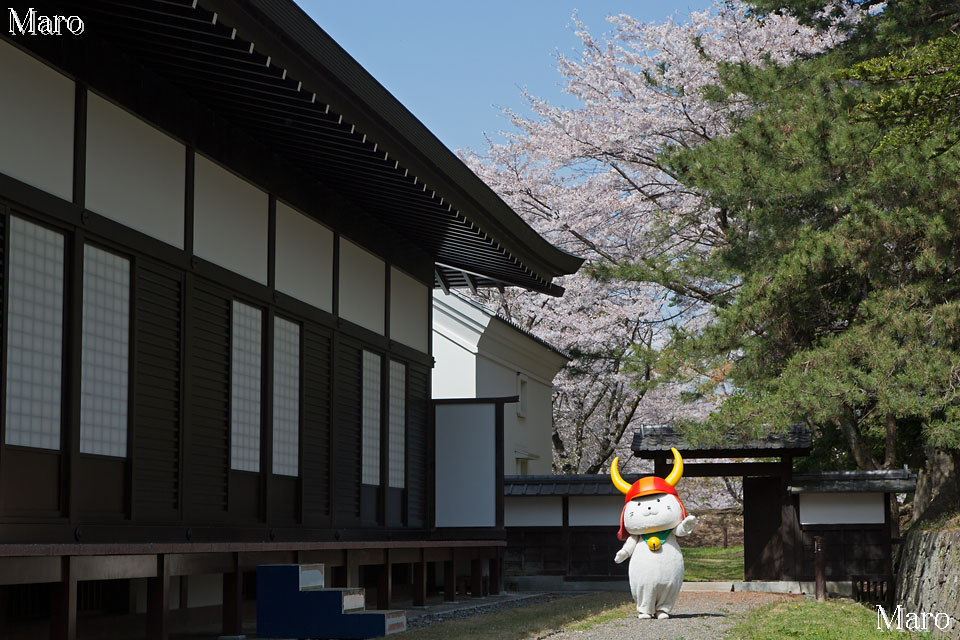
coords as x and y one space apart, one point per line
596 180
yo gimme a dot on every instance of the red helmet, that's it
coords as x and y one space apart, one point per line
648 485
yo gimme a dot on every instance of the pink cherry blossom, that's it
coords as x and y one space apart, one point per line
591 179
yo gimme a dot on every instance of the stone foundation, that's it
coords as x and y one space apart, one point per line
928 579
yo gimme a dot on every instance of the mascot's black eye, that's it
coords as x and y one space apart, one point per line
658 499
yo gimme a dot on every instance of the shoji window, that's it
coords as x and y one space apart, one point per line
34 335
397 423
286 398
371 418
245 382
105 357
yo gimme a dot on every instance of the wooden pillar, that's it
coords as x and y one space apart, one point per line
158 602
821 577
892 518
476 578
565 535
4 611
496 573
450 580
233 600
352 567
385 583
63 605
420 582
184 592
660 466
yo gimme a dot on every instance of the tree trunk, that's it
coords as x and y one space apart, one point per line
938 484
890 444
861 452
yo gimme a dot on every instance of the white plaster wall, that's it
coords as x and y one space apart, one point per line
230 221
363 287
527 435
466 485
454 371
496 379
304 258
841 508
36 123
478 355
135 173
535 430
409 311
590 511
532 511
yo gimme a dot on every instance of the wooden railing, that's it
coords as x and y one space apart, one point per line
874 589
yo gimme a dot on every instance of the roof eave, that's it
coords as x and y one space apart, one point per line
296 43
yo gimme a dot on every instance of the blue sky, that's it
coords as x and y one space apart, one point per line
452 62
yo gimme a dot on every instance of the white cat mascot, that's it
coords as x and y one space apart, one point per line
652 518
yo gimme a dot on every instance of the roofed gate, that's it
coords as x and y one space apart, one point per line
784 512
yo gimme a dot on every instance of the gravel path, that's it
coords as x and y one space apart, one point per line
699 616
416 622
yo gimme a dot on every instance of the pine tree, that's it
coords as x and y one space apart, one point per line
842 196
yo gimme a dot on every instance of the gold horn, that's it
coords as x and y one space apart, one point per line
677 472
622 485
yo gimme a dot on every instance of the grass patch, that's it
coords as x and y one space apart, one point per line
811 620
626 610
703 564
944 521
526 622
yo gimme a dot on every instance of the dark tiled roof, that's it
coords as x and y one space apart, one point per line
569 485
652 440
884 481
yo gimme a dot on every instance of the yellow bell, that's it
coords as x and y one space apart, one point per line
653 542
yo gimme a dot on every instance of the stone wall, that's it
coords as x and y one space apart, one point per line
928 579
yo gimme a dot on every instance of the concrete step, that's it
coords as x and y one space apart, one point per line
354 599
292 603
312 576
395 620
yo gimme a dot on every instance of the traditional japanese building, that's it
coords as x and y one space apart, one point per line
219 238
480 354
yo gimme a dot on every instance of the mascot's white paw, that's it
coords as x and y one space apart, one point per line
621 556
662 615
644 616
685 528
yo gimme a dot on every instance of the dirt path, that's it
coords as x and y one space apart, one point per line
699 616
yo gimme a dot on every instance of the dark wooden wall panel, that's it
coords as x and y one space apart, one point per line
178 473
347 432
762 546
418 414
850 551
158 304
284 501
317 390
584 552
31 482
245 497
101 493
209 360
